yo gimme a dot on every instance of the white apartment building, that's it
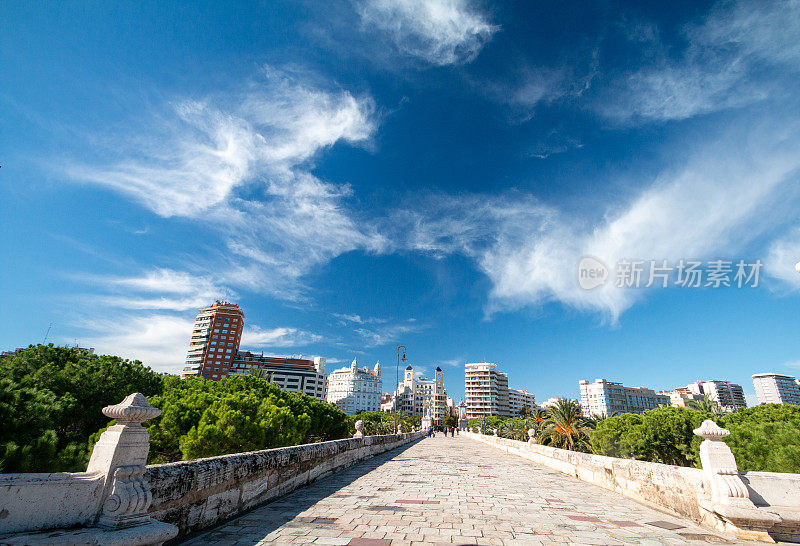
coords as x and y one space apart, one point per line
415 394
729 396
355 389
775 388
485 390
517 400
606 397
681 397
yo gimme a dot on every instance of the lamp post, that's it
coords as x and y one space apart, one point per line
397 382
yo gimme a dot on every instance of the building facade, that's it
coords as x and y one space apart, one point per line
681 397
355 389
607 397
215 340
520 400
214 354
775 388
730 396
416 395
290 374
485 390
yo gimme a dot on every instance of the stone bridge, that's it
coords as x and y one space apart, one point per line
395 489
455 490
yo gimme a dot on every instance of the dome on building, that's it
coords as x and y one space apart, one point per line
409 367
438 369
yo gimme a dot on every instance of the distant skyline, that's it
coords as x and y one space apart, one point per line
362 174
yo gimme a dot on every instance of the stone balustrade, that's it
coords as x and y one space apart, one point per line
760 506
120 501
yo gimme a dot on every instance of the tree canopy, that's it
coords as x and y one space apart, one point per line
51 400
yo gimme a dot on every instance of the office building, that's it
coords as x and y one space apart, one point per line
355 389
607 397
775 388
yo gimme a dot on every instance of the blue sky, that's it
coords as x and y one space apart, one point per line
361 174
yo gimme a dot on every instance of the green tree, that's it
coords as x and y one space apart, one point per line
51 400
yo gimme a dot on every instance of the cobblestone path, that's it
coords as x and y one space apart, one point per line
454 491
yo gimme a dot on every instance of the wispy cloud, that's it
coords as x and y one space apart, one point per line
783 254
253 336
157 340
239 162
358 319
160 288
721 67
440 32
707 207
385 334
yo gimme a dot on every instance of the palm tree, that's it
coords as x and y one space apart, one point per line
565 426
706 404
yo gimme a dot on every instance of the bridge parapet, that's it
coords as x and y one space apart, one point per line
772 499
107 504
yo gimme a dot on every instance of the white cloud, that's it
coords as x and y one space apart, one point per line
238 162
722 66
388 333
157 340
358 319
253 336
161 288
784 253
441 32
720 199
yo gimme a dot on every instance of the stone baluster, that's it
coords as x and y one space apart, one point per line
359 429
531 436
121 454
495 431
719 465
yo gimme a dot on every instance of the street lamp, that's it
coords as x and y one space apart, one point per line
397 381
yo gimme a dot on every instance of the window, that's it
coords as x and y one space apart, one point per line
216 330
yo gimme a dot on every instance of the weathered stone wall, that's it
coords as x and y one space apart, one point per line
204 492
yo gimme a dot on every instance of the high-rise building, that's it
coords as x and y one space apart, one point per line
729 396
214 354
775 388
215 341
519 400
485 390
355 389
415 394
606 397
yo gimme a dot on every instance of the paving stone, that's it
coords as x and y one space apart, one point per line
454 491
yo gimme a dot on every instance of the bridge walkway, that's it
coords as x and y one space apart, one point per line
447 490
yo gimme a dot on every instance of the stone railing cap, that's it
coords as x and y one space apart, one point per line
133 410
709 430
